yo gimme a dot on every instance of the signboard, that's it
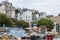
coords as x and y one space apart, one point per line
34 25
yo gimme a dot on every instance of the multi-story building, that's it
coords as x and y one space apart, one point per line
6 7
13 13
55 19
30 15
25 15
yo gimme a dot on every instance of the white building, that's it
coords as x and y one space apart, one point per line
20 14
13 13
30 15
25 15
7 8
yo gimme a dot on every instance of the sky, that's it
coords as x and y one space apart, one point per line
51 7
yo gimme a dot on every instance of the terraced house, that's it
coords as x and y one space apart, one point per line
7 8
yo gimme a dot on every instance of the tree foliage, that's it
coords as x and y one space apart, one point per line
5 20
14 21
22 23
16 13
11 21
48 23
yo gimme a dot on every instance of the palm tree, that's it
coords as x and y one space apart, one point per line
16 13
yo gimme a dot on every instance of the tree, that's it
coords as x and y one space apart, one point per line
14 21
35 22
16 13
5 20
46 22
22 23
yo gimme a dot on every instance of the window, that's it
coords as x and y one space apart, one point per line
26 17
20 17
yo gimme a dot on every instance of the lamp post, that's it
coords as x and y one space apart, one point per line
30 26
3 28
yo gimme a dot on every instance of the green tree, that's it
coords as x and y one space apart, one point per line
5 20
22 23
35 22
46 22
14 21
16 13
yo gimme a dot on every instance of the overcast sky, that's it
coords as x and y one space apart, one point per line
48 6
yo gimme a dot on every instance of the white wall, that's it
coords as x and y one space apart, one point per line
18 16
13 14
27 16
2 9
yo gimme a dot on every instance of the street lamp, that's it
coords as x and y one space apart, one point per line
3 28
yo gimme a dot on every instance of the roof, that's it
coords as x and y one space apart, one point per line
25 9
